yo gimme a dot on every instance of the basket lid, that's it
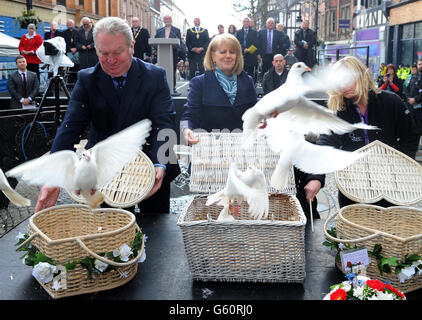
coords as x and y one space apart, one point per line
383 173
130 186
212 156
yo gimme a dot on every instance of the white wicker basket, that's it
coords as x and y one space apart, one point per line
270 250
383 173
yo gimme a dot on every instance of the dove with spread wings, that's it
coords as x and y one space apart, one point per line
289 101
248 185
295 151
83 174
11 194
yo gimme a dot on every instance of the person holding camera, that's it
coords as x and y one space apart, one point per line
390 82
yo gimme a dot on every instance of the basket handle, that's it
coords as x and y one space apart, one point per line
105 260
30 238
371 236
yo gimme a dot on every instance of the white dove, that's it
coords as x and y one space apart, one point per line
95 167
289 101
11 194
249 185
306 156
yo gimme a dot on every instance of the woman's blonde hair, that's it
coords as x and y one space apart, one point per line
233 43
364 84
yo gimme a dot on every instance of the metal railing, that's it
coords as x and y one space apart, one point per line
338 54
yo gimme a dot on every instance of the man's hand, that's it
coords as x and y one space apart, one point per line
159 176
246 50
412 101
47 198
311 189
26 101
190 137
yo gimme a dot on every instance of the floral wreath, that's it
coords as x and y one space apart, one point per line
46 270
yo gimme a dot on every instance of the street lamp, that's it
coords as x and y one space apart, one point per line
299 19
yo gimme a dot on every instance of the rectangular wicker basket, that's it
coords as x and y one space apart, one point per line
268 250
383 173
67 233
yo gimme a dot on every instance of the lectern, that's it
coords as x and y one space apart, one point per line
165 56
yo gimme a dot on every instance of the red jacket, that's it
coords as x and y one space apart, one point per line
28 45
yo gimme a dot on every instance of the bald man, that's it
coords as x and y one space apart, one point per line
170 31
141 37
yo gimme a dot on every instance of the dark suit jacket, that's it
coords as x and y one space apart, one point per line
276 44
301 53
141 43
87 58
16 91
69 38
95 102
47 35
193 42
208 106
250 59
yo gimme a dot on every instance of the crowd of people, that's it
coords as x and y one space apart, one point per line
222 86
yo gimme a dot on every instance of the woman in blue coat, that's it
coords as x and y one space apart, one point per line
218 98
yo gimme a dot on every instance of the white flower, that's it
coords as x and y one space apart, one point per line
100 266
20 236
44 272
384 296
346 286
56 285
125 251
406 273
143 257
341 246
358 292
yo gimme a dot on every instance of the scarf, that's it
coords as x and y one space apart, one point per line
229 84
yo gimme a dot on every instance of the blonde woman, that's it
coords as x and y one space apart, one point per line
218 98
363 101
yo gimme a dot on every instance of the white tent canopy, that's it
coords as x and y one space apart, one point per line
8 46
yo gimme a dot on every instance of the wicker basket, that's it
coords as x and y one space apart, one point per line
270 250
383 173
69 232
398 229
128 187
213 155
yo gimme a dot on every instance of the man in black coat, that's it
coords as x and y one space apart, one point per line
276 76
285 39
84 42
269 41
305 40
415 97
197 40
54 31
71 51
248 37
170 31
141 37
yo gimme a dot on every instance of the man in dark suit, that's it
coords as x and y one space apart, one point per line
141 37
197 40
170 31
23 86
54 31
305 40
119 91
285 39
84 42
72 53
249 37
269 44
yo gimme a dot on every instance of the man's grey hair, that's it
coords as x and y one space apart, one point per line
31 26
113 26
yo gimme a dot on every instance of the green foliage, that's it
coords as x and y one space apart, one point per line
33 256
386 264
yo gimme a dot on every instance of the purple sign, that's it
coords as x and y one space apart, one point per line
368 34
